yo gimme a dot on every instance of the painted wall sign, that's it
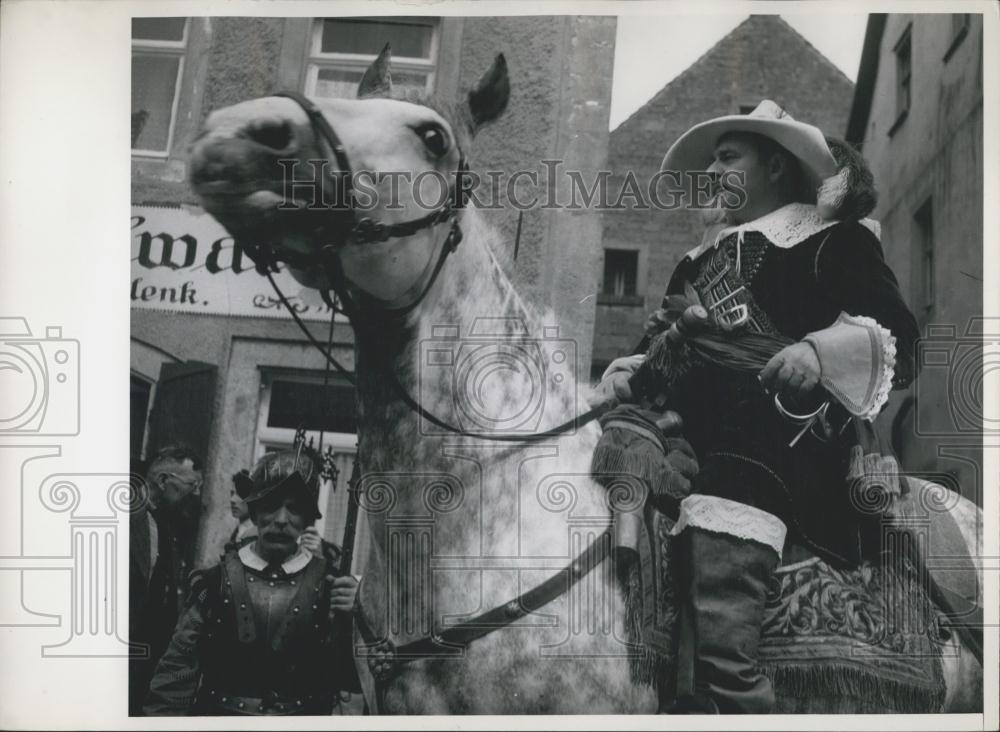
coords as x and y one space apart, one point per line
184 261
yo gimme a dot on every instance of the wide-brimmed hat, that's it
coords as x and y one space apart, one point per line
695 149
286 472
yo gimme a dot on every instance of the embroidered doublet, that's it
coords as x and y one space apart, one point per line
723 281
790 273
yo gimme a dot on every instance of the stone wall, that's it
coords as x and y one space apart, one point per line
561 71
935 154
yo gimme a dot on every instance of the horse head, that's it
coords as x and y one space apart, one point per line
367 183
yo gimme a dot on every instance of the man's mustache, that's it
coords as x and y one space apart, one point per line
715 214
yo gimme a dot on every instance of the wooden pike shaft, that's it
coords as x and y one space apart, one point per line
351 523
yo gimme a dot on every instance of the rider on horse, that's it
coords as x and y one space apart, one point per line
787 256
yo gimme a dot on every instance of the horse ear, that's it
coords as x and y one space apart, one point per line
377 82
488 98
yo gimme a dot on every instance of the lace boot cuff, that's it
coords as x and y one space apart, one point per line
724 516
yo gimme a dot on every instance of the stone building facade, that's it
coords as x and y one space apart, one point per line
229 377
918 118
762 58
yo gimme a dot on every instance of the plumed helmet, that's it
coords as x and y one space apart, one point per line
286 471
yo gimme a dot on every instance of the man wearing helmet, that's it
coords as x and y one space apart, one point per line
267 631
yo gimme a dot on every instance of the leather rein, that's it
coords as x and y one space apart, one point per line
451 641
385 657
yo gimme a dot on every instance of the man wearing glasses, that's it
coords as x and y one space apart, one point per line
162 534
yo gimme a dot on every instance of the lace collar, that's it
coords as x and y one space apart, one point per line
297 562
784 227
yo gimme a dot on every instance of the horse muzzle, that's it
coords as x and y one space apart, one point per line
230 171
265 197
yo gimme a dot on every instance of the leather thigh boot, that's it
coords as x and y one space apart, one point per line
726 584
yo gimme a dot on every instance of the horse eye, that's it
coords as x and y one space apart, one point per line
434 139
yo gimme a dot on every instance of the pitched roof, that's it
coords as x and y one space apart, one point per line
754 27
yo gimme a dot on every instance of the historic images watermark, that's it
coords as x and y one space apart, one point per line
466 359
442 576
506 377
430 523
516 530
312 185
496 376
44 394
41 401
954 364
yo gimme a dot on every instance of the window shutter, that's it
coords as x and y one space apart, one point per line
182 410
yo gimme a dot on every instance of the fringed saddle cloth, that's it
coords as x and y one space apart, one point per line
864 640
859 641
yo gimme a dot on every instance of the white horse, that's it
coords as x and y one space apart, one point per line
461 525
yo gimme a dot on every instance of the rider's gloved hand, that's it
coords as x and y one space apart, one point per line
657 322
614 386
647 445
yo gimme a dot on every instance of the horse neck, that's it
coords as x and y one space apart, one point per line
479 498
472 302
473 286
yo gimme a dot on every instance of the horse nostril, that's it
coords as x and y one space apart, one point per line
275 135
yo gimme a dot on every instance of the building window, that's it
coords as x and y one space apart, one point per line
342 48
621 268
926 282
158 46
960 23
903 53
292 401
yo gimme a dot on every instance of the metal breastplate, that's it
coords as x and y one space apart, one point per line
723 283
275 608
267 636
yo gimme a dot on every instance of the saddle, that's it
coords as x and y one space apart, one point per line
867 639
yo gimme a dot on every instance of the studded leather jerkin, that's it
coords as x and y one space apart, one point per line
268 637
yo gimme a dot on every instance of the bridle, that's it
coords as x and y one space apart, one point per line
345 225
361 231
364 230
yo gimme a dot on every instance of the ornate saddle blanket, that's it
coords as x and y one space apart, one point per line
860 641
864 640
